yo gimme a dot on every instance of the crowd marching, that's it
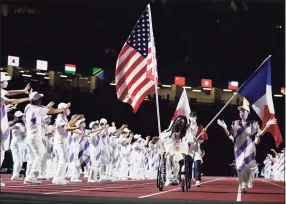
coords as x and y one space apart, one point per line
59 150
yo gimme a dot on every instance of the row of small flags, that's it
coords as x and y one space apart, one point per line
43 66
205 83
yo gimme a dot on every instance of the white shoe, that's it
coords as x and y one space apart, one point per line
40 177
31 181
198 184
91 181
243 189
168 183
3 184
16 178
76 180
60 181
250 184
175 182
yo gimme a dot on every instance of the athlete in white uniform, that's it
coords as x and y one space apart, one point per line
17 149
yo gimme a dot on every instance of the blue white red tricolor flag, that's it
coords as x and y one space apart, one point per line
258 91
136 67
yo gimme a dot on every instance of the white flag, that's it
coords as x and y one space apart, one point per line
183 107
13 61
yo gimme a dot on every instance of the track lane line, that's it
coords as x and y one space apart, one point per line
100 188
153 194
272 183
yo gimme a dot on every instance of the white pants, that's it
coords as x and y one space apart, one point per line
62 160
35 152
124 169
244 177
17 155
172 164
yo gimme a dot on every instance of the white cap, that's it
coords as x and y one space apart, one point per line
47 116
244 107
35 96
80 121
4 77
18 114
62 105
103 120
92 124
137 136
126 130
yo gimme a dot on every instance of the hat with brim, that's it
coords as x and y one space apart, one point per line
62 105
244 108
92 124
126 130
137 136
4 77
35 96
18 114
80 121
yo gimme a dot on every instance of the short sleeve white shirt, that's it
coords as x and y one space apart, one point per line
34 117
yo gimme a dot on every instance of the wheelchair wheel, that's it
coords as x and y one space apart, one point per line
160 176
188 176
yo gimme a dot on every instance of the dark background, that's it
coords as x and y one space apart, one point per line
195 39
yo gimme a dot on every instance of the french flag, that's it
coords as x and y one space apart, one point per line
258 91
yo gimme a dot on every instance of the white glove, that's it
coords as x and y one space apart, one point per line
272 121
222 124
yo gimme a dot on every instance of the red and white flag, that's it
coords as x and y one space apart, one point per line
183 107
136 67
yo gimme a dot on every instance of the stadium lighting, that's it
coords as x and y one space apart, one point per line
196 90
208 89
187 87
26 75
22 71
166 86
112 84
46 77
278 95
63 76
227 90
41 73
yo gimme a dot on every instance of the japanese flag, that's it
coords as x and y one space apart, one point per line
13 61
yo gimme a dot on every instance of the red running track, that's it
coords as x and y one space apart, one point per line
213 189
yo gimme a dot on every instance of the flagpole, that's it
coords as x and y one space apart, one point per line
155 78
231 98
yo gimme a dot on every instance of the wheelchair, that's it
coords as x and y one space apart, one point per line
185 176
161 173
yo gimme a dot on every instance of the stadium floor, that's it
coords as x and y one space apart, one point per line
213 190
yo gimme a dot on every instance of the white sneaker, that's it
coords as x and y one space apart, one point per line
168 183
91 181
16 178
3 184
175 182
76 180
60 181
40 177
250 184
243 189
31 181
198 184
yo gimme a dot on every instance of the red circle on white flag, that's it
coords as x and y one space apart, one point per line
13 60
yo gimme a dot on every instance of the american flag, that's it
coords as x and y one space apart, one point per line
136 67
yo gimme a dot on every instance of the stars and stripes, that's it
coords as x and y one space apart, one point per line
136 68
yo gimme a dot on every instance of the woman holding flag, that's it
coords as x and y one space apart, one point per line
246 134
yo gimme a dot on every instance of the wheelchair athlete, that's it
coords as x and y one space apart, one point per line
169 142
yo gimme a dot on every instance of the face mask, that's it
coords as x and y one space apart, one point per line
68 112
48 121
243 116
4 84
